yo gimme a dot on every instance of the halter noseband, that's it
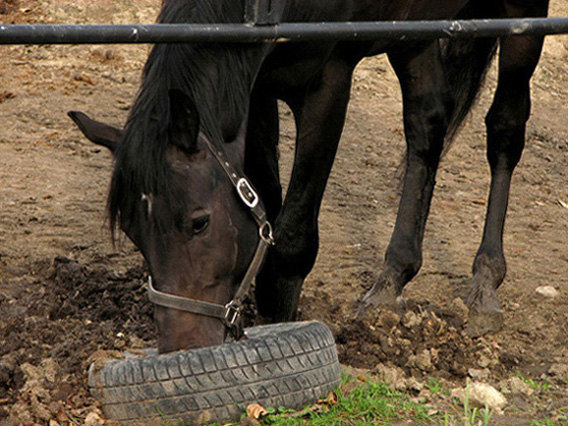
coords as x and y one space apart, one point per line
230 313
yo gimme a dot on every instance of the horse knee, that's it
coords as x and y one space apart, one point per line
505 137
426 129
295 251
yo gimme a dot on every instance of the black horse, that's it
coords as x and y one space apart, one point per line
206 115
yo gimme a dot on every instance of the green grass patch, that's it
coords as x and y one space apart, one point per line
359 402
543 423
435 387
538 386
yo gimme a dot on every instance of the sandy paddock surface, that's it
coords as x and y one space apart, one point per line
66 294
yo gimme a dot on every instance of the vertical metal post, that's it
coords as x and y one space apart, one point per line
261 12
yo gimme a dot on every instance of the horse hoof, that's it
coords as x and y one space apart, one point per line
381 298
482 323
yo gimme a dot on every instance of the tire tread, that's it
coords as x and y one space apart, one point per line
280 365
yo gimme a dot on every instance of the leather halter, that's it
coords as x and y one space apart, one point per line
230 313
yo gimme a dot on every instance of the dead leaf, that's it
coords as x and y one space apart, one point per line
85 79
5 95
256 411
331 399
62 416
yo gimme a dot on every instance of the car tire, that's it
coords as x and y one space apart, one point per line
281 365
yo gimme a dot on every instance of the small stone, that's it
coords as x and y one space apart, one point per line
559 370
411 320
483 361
478 374
515 385
388 319
119 343
49 369
392 376
8 368
39 409
418 399
547 291
434 326
414 385
458 393
30 372
459 308
480 395
432 411
85 79
136 342
20 414
422 360
424 393
93 419
483 393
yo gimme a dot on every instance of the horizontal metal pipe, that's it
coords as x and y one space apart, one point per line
284 32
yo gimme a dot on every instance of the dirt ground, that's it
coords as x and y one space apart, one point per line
66 293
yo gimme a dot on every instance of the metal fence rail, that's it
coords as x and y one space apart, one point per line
284 32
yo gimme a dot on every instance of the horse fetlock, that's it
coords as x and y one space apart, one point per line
482 298
489 270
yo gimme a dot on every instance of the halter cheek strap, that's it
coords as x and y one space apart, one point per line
230 313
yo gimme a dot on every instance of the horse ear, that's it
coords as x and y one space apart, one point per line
97 132
185 121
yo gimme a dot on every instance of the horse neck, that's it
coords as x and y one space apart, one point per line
223 89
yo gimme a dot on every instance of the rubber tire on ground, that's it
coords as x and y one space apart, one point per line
280 365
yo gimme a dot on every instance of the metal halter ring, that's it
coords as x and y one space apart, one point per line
265 232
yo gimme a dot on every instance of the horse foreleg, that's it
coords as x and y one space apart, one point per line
427 107
319 111
261 152
505 122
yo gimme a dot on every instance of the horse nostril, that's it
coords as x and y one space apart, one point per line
200 224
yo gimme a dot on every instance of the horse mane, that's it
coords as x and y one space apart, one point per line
204 73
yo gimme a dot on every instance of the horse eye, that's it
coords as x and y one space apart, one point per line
200 224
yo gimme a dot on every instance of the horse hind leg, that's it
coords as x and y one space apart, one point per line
506 122
427 112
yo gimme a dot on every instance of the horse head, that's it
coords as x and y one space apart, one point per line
175 198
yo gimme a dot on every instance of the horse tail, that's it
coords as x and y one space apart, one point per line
465 62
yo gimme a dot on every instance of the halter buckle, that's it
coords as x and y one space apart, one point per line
247 194
233 313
